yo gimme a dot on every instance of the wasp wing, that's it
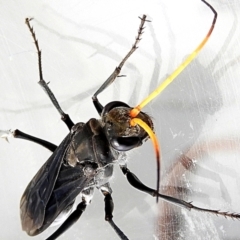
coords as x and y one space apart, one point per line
38 192
56 185
70 182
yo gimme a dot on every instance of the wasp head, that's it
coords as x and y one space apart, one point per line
120 133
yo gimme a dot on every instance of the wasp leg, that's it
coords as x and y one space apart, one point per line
108 214
117 71
135 182
19 134
75 215
65 117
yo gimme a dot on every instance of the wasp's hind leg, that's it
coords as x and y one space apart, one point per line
19 134
65 117
117 71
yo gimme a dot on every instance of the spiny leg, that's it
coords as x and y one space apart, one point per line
65 117
19 134
117 71
135 182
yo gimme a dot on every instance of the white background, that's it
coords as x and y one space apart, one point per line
196 118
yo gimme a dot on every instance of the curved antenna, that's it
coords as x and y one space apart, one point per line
148 130
134 112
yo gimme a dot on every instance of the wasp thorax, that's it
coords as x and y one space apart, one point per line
117 123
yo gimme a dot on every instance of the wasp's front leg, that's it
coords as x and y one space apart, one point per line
65 117
117 71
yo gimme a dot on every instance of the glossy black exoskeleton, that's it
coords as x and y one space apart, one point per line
84 160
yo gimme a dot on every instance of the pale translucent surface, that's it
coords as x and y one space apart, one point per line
197 116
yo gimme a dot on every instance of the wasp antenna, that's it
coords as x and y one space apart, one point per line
157 91
153 137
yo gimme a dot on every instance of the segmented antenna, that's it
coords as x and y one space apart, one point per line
135 111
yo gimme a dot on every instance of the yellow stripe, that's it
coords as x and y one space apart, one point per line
134 112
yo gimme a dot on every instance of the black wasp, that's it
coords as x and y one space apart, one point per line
85 158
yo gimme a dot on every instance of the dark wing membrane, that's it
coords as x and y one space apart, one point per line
70 182
39 190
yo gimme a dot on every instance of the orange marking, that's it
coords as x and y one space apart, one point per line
134 112
153 137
